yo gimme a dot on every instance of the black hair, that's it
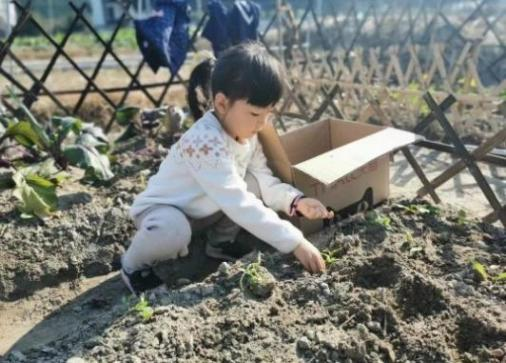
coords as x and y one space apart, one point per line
248 72
199 88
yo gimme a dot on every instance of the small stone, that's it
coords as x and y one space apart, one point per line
183 281
310 334
324 285
464 289
162 336
92 342
497 353
334 356
207 290
304 343
205 311
48 350
325 289
362 329
224 268
375 327
17 355
132 359
76 360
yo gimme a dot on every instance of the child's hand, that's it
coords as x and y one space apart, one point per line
313 209
310 257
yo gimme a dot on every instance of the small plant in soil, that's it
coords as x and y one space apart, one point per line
256 279
420 209
36 156
481 274
462 218
67 140
35 189
411 246
379 219
330 257
143 309
169 120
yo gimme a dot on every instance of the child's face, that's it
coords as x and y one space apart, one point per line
240 119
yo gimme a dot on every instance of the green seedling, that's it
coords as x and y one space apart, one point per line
86 150
410 245
481 274
462 217
257 280
143 309
252 275
35 188
480 271
501 278
379 219
419 209
330 256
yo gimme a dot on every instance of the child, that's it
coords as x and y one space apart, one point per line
215 178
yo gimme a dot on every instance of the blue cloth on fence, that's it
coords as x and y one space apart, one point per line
243 21
216 28
163 38
240 24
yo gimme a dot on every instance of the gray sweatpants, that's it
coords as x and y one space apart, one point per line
164 232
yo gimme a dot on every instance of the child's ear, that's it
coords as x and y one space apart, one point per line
221 103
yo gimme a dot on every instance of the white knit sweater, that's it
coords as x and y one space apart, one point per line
204 173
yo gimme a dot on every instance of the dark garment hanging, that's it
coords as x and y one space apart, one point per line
163 38
243 21
233 27
216 28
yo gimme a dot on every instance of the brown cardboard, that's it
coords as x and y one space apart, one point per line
343 164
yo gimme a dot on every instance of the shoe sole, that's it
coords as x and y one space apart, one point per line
126 280
217 254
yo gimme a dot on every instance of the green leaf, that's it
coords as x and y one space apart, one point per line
39 130
125 115
90 141
96 132
479 271
500 278
65 125
47 170
129 132
143 309
37 196
97 166
38 181
24 133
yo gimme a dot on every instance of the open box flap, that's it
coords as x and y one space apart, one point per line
335 164
275 153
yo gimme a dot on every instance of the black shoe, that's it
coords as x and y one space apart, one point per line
140 281
228 250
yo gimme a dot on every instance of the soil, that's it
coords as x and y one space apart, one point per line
400 288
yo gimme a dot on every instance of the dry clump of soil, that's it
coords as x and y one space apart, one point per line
399 288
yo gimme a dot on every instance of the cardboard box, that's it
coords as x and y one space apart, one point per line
343 164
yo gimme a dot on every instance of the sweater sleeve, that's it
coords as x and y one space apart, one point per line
211 164
275 194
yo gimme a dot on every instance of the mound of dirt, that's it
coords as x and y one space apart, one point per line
400 287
